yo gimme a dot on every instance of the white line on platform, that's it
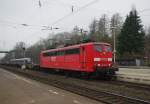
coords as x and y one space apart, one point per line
54 92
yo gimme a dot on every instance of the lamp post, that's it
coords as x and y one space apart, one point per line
114 41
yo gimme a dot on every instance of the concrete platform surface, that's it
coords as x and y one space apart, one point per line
15 89
134 75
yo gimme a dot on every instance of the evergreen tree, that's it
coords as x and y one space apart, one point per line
147 46
131 38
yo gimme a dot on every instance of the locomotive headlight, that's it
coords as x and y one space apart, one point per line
98 65
109 59
97 59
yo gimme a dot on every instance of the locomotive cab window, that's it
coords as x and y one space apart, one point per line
107 48
98 48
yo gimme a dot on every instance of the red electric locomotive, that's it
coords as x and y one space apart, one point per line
87 58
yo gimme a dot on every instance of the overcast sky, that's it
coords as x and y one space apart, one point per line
13 13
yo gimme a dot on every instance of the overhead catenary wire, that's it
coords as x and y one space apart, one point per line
21 24
60 19
75 11
64 17
60 2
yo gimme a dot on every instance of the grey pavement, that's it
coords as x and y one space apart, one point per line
15 89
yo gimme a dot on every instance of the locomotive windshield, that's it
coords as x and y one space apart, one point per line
107 48
98 48
101 48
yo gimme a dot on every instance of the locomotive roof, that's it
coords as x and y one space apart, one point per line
75 46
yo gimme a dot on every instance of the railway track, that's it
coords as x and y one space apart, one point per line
130 84
99 95
127 84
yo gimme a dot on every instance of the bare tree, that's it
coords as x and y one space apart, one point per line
116 22
93 26
19 50
103 25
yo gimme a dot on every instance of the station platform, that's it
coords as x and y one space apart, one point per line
133 74
15 89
